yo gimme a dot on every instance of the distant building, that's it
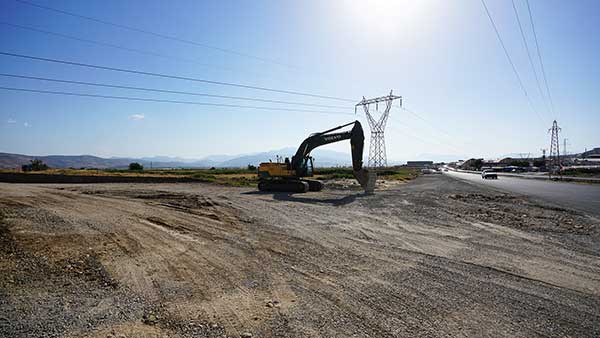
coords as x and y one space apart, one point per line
419 164
472 164
492 164
589 158
594 153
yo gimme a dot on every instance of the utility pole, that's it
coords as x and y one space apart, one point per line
565 146
543 166
554 167
377 155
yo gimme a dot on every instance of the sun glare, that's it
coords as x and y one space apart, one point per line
385 17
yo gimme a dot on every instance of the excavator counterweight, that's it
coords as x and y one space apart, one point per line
289 176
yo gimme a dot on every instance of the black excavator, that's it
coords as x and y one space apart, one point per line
289 175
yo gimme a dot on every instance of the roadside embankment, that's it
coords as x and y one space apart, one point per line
538 176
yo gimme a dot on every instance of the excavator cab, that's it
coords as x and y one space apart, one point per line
306 168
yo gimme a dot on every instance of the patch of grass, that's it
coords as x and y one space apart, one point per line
186 172
333 173
399 174
229 176
237 180
202 177
392 173
224 176
582 172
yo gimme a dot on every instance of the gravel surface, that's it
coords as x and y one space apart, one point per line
434 257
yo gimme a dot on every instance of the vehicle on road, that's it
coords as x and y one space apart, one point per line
489 175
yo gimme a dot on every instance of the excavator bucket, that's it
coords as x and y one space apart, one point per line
366 179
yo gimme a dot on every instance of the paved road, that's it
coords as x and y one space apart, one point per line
585 197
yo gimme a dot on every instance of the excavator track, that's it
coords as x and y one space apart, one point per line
314 185
299 186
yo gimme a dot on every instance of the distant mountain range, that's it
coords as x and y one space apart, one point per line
323 158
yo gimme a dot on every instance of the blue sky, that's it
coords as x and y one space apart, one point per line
442 56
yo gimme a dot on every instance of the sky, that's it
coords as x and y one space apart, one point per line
442 57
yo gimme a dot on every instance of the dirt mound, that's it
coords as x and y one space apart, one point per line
522 213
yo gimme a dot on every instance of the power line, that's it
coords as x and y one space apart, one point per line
159 35
138 72
431 139
426 121
106 44
428 140
168 101
96 84
537 80
537 46
510 60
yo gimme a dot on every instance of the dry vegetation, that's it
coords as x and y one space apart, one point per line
224 176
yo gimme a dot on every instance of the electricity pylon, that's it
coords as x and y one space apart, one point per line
377 155
554 167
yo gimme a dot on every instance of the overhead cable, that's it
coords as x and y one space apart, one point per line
510 61
537 46
111 45
106 85
176 77
40 91
537 80
159 35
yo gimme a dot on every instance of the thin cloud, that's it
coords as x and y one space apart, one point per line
26 125
11 121
137 117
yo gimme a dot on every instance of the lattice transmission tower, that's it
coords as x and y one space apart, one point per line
554 157
377 155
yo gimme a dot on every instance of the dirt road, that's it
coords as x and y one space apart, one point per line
434 257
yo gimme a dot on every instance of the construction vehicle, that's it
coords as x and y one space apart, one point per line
289 175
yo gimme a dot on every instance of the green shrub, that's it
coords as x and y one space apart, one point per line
35 165
136 166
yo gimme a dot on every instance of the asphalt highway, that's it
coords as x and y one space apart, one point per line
585 197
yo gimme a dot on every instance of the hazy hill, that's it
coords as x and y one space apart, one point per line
10 161
322 158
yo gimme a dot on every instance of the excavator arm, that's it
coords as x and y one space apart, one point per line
357 141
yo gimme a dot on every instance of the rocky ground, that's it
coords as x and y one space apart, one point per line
433 257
